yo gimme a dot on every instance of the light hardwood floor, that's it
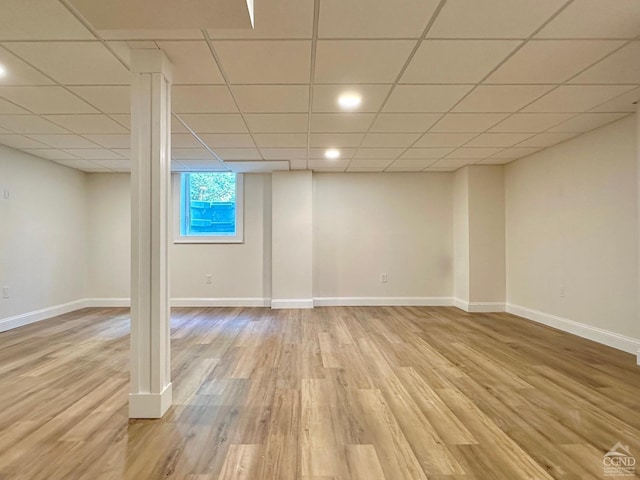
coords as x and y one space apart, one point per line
398 393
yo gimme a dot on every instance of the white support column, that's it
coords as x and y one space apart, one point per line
150 395
638 194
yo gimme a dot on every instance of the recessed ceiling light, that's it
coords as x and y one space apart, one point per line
3 71
332 154
350 100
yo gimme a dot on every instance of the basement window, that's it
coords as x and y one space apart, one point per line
210 207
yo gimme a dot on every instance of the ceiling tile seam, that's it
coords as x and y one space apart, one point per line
508 57
312 73
216 60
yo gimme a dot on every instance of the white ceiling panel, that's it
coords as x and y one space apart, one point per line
94 154
83 165
184 140
29 124
410 165
87 124
227 140
551 61
280 140
361 61
425 98
297 164
456 61
427 152
275 19
150 34
379 152
432 140
404 122
19 141
530 122
328 165
64 141
516 152
51 154
467 122
203 165
283 153
576 98
498 139
264 62
390 139
74 63
111 141
39 20
345 153
272 98
492 18
495 161
115 165
622 66
42 100
192 63
371 165
325 97
202 99
278 122
190 153
335 139
108 99
341 122
586 122
20 73
595 19
8 108
500 98
123 152
213 122
238 153
454 163
374 18
621 103
546 139
466 152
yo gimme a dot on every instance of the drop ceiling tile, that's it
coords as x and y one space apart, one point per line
375 18
227 140
184 140
5 132
551 61
190 153
18 141
500 98
83 165
20 73
178 127
595 19
278 122
192 63
297 164
425 98
465 152
328 165
124 119
456 61
8 108
454 162
341 122
29 124
586 121
423 153
108 99
64 141
335 139
622 66
374 164
272 98
576 98
283 153
318 153
530 122
275 19
498 139
50 153
390 139
116 165
87 124
111 141
492 18
444 139
622 103
360 61
495 161
280 140
409 165
213 122
238 153
203 165
151 34
39 20
94 153
123 152
404 122
516 152
467 122
74 63
43 100
379 153
122 50
264 62
546 139
325 97
202 99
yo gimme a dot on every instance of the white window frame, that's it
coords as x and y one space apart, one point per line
177 207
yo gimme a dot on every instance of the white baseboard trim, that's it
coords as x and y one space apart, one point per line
108 302
383 301
605 337
150 405
291 303
39 315
221 302
479 307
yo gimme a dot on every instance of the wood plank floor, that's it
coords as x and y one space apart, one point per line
331 393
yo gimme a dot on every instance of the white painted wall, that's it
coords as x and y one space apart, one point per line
43 233
572 222
461 235
366 224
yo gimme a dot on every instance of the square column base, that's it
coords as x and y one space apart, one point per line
150 405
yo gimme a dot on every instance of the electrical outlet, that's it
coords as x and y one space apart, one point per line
208 278
5 292
384 278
